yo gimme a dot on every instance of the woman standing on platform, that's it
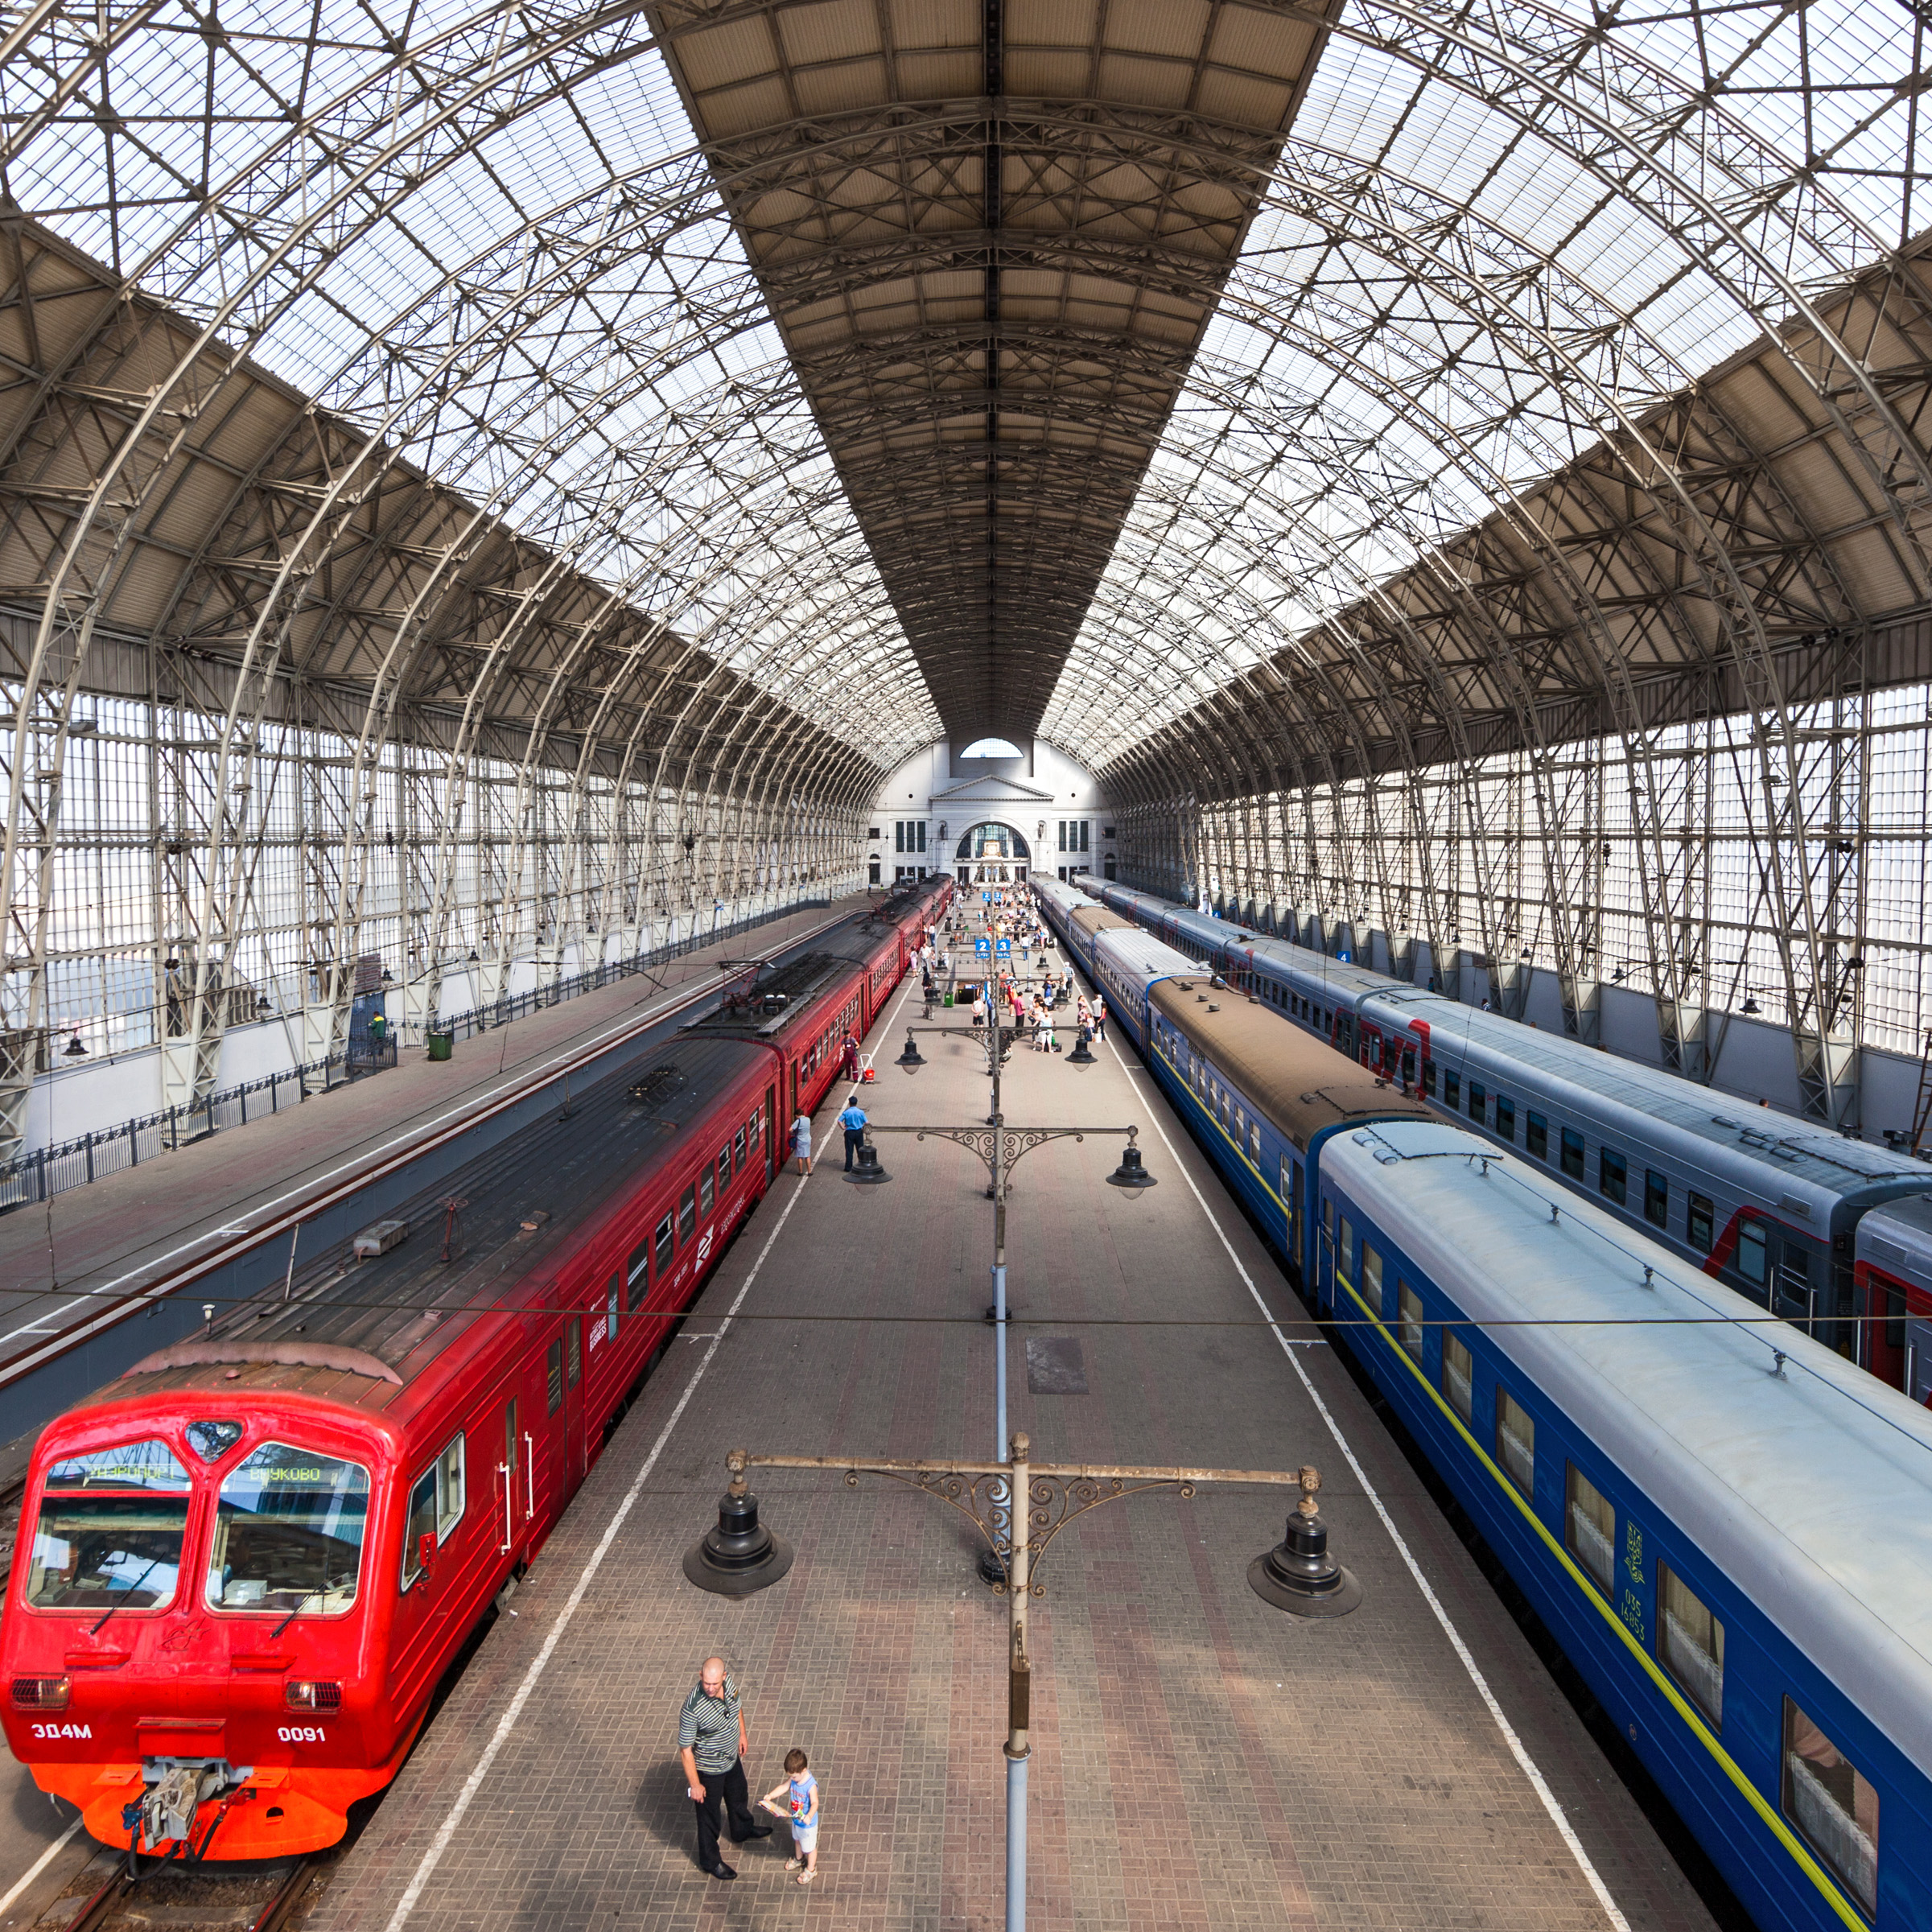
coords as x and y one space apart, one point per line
801 1141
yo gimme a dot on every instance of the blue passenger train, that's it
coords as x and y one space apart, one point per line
1727 1527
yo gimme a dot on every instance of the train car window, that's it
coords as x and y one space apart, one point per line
1536 1135
1589 1526
661 1244
1516 1442
1452 1091
1428 1079
737 1151
687 1214
1254 1138
1505 1117
724 1168
1408 1308
751 1128
1612 1176
436 1508
1479 1103
289 1526
612 1294
1700 1218
573 1350
1657 1198
1691 1644
1833 1804
1751 1252
1344 1252
1327 1213
705 1192
1572 1153
637 1269
554 1370
1458 1376
111 1527
1371 1278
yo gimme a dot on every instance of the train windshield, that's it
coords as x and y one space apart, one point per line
110 1530
288 1533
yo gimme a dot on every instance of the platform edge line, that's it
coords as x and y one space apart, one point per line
41 1864
446 1832
1538 1783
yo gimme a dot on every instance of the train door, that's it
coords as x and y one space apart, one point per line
1793 1292
1291 1197
509 1470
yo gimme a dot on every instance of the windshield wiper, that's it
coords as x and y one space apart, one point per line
293 1614
134 1586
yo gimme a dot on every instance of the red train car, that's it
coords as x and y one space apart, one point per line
243 1567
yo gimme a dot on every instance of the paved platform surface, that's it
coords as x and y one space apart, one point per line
70 1256
1199 1759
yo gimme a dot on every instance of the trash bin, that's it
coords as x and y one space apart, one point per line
948 999
440 1045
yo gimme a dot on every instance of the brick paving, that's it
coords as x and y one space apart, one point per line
1199 1759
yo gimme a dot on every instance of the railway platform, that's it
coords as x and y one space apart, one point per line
1199 1759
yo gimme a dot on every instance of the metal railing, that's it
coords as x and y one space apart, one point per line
74 1163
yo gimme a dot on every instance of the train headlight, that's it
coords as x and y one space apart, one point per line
302 1694
41 1693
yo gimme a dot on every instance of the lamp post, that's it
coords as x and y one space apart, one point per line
741 1556
1001 1148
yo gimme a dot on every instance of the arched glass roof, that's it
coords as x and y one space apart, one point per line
927 381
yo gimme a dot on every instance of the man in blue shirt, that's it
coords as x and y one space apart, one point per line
853 1121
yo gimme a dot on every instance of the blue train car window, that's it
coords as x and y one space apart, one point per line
1572 1153
1458 1375
1590 1526
1751 1252
1833 1806
1479 1101
1344 1252
1452 1091
1254 1138
1699 1219
1691 1644
1371 1278
1657 1198
1516 1442
1408 1309
1612 1176
1536 1135
1506 1117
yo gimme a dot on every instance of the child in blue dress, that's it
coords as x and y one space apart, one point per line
801 1793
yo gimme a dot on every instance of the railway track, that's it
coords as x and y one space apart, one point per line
193 1898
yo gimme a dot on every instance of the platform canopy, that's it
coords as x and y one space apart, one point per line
715 401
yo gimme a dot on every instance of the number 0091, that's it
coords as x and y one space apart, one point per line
302 1734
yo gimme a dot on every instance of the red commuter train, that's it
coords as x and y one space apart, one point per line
243 1567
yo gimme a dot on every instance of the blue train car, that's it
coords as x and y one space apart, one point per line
1727 1527
1263 1100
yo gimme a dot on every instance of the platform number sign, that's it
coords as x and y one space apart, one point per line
982 946
1004 948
